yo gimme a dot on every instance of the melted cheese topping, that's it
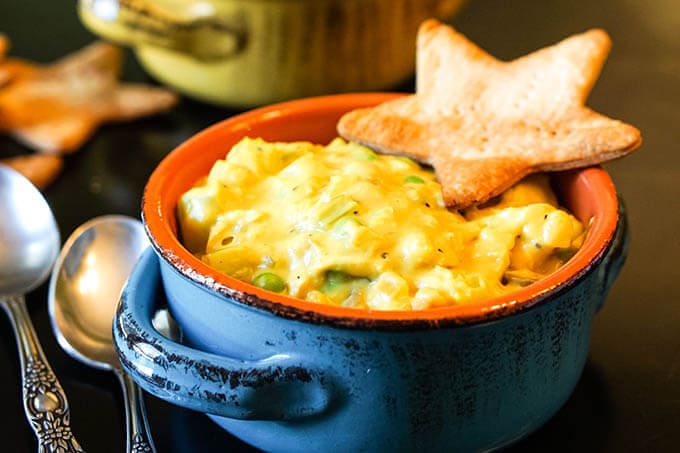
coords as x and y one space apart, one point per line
345 226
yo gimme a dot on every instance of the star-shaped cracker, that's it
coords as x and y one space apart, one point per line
40 169
4 45
484 124
55 108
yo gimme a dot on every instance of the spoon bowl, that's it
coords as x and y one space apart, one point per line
85 286
29 244
88 277
29 235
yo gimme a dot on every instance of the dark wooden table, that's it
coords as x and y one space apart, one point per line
628 398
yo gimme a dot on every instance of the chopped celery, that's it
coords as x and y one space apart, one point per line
413 179
328 212
364 152
565 255
370 155
346 227
520 277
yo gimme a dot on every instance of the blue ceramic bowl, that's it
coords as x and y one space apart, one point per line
289 375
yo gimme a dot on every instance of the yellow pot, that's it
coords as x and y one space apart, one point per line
245 53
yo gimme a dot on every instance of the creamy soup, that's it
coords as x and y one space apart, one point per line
342 225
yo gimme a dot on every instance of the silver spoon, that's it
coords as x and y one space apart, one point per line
29 243
86 283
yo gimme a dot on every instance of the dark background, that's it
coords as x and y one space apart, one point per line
629 396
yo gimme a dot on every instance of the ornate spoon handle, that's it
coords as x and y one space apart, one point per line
138 433
45 402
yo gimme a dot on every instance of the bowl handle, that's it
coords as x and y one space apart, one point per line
141 22
280 387
616 255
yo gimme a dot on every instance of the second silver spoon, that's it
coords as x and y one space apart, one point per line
86 283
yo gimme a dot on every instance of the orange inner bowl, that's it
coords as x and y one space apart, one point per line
588 193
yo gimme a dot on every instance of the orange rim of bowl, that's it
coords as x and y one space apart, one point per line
180 169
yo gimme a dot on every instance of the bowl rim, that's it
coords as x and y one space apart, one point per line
159 221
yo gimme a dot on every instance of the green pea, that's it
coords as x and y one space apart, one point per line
414 179
336 278
270 281
342 282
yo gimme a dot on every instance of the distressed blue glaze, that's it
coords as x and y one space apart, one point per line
285 385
